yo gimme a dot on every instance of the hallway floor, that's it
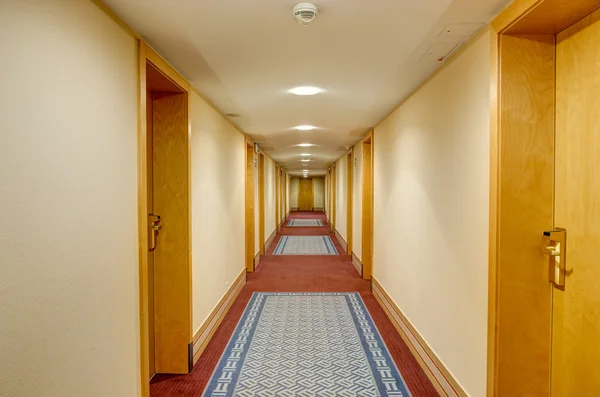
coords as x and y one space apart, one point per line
306 273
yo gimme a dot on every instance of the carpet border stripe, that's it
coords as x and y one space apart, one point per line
221 364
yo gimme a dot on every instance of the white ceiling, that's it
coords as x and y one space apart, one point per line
243 56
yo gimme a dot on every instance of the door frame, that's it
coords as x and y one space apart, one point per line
333 196
249 209
367 204
261 202
282 197
350 201
147 54
328 187
277 224
519 309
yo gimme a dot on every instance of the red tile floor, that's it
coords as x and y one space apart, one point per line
282 273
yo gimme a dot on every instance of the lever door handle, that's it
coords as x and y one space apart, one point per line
557 250
552 250
155 226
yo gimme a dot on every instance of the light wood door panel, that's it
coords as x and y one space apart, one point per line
305 194
261 202
525 210
576 310
150 203
349 198
367 209
172 253
249 207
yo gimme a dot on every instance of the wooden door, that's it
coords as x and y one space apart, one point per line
333 196
305 194
249 206
576 309
261 203
349 198
172 295
151 234
367 208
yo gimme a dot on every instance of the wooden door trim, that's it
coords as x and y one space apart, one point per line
312 198
146 54
249 211
276 198
333 196
350 201
367 204
261 202
282 198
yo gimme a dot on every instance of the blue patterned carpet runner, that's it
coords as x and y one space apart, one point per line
305 222
305 245
306 344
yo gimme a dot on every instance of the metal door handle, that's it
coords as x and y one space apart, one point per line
557 250
552 250
155 226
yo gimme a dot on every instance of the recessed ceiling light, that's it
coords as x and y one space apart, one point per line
305 127
305 160
305 145
306 90
305 154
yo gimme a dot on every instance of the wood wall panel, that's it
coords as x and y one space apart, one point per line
277 198
150 255
261 202
367 209
249 207
333 196
172 254
493 214
525 210
349 190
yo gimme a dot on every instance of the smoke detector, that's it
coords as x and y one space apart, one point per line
305 13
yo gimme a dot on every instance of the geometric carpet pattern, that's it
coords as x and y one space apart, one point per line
305 222
305 245
306 344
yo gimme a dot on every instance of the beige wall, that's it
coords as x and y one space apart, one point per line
341 202
217 207
269 197
294 193
357 202
431 212
319 193
68 187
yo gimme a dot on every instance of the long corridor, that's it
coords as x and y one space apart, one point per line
297 273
